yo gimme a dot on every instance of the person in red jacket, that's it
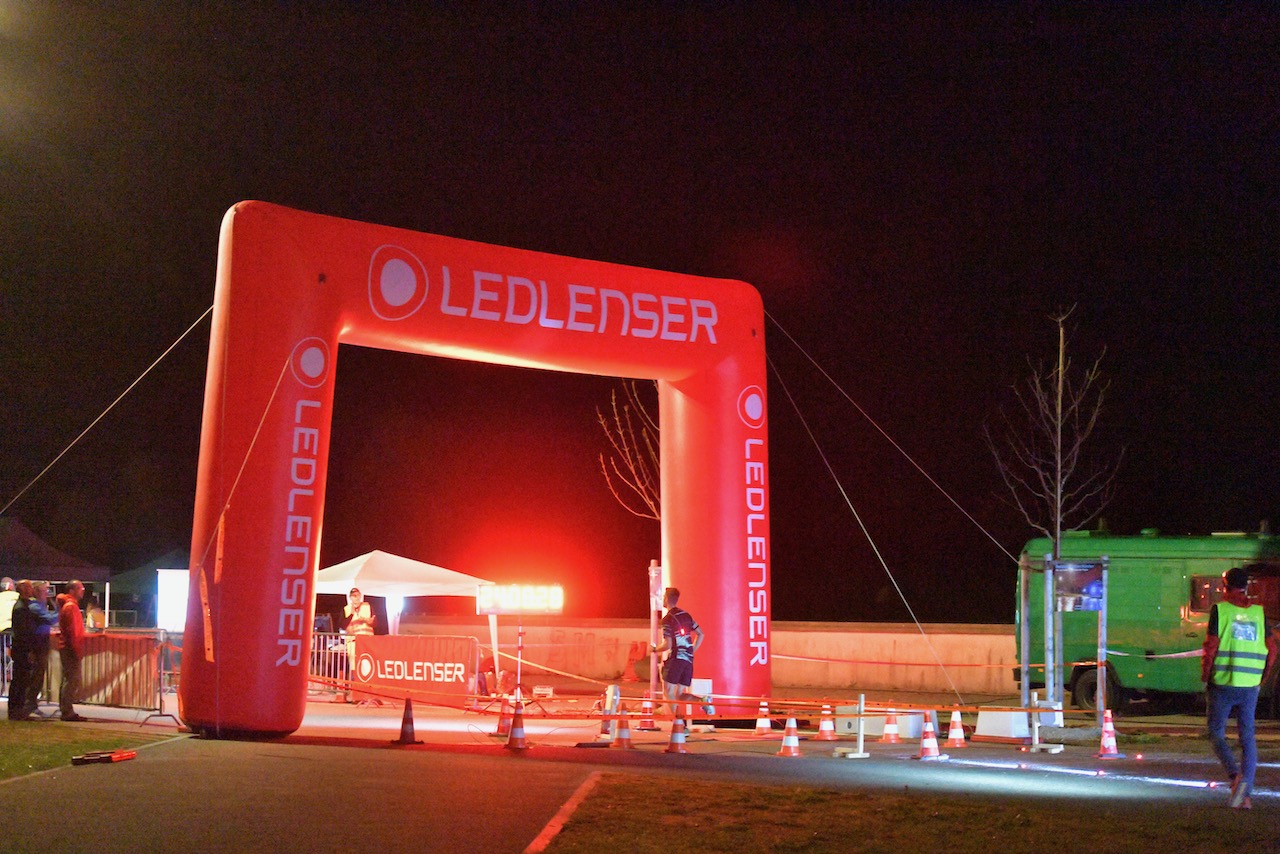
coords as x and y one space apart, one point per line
71 649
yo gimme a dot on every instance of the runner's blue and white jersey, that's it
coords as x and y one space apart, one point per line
679 629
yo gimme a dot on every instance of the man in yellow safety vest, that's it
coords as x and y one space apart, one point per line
1238 653
359 620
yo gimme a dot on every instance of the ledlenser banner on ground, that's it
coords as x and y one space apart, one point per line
439 669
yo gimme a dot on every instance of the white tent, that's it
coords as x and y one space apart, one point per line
380 574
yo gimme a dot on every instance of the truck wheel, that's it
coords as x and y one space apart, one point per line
1085 693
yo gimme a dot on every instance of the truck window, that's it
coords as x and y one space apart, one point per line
1263 589
1205 591
1266 592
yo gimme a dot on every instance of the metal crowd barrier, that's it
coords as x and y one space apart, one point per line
123 668
6 663
132 668
120 668
328 660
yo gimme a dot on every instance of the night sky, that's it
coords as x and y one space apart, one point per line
916 190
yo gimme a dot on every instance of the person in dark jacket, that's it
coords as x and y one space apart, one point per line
32 623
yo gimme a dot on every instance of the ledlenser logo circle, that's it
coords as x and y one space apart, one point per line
364 667
309 362
751 407
397 283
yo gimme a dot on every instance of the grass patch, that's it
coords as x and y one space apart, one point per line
650 813
30 746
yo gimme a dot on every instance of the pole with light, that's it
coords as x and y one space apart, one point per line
517 599
655 621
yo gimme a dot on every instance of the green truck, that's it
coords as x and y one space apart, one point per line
1159 591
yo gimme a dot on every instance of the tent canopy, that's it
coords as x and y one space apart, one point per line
142 579
25 555
381 574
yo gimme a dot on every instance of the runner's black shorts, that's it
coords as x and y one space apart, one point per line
676 671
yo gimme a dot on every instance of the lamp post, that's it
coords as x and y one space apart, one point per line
655 619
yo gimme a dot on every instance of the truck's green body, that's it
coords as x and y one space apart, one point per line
1160 591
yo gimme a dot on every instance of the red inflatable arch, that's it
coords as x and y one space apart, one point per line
292 286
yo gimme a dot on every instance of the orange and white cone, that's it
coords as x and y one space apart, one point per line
516 740
955 736
676 745
504 720
622 735
790 740
764 726
1108 750
647 723
929 743
827 725
890 735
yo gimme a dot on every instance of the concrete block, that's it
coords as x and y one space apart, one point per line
910 723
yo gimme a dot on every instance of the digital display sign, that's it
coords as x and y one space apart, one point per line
502 599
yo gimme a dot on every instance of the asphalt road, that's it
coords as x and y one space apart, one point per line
340 783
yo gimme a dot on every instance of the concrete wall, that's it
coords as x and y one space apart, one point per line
862 656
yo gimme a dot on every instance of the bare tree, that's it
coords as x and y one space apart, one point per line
1040 453
631 466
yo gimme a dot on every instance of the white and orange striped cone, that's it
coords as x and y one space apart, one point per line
647 724
1108 750
764 726
955 735
929 743
516 740
890 735
676 745
790 740
827 725
504 720
622 735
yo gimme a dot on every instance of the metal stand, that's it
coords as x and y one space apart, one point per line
1036 746
162 641
860 752
519 692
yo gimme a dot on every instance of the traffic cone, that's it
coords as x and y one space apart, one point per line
955 736
516 740
790 740
629 672
764 726
622 735
406 725
504 720
929 742
676 745
1108 750
646 714
827 725
890 735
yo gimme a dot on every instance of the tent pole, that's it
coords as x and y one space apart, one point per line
497 662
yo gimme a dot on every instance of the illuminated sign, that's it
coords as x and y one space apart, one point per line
519 599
